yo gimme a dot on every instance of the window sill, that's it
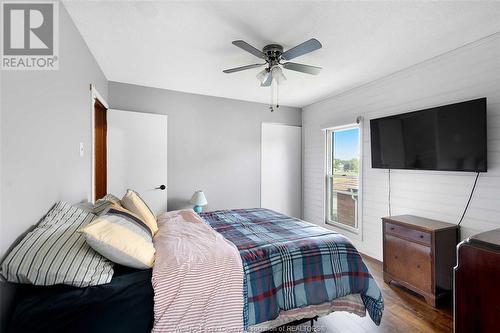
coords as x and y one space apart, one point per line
343 229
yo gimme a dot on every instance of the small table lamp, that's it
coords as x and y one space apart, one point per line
198 200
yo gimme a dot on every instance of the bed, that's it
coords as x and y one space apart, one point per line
287 270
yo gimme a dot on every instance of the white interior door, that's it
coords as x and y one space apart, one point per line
137 156
281 174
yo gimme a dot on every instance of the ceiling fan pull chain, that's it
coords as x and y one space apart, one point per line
277 95
271 107
274 94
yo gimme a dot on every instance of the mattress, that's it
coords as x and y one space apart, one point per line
123 305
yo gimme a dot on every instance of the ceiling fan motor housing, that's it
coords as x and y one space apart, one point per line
273 53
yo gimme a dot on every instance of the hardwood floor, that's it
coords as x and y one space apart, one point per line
404 312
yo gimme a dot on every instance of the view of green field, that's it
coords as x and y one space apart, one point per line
345 175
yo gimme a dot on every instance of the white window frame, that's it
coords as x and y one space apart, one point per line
336 226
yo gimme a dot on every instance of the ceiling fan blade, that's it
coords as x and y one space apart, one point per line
242 68
249 48
311 45
302 68
268 81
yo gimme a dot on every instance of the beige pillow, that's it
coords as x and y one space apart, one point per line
133 202
122 237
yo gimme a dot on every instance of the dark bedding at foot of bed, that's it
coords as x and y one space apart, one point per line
123 305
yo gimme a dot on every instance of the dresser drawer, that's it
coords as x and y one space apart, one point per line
419 266
406 233
395 257
408 262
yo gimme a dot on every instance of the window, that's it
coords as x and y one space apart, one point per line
343 177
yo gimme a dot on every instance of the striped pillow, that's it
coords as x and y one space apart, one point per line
122 237
54 253
133 202
105 203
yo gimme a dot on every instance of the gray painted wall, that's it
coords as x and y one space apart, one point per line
44 117
213 143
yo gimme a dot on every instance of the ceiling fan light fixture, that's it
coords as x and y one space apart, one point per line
262 76
268 81
278 75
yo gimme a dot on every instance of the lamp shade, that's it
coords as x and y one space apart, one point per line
199 199
277 74
262 76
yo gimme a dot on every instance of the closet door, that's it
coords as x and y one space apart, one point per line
281 169
137 156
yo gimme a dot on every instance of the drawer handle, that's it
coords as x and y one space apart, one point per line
421 236
418 266
395 257
392 228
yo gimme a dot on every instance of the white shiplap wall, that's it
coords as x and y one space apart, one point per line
469 72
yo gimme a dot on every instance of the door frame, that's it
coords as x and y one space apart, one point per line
94 95
301 162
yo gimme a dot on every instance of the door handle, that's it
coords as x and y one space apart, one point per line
161 187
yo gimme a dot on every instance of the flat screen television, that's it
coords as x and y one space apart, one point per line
447 138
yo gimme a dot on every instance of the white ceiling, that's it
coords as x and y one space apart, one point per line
185 46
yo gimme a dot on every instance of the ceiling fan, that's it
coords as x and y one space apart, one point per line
274 58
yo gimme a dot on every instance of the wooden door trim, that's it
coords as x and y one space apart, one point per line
94 95
100 146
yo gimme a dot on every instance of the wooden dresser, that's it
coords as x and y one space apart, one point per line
477 284
419 254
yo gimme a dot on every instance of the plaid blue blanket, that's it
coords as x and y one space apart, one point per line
290 263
